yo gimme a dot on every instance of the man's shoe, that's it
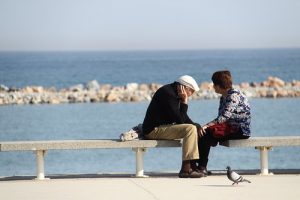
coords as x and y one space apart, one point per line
190 174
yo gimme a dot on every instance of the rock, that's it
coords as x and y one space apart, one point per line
93 85
154 86
275 82
35 99
93 96
111 97
148 97
13 89
72 97
261 93
264 84
101 95
297 94
295 83
63 99
13 97
271 94
86 99
33 89
248 93
51 89
37 89
27 99
77 88
94 99
118 89
143 87
131 86
244 85
206 86
282 93
3 88
105 87
27 90
54 101
126 96
135 98
254 84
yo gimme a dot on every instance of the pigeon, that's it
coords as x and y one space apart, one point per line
235 177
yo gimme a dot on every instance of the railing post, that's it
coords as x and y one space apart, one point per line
139 154
264 164
40 170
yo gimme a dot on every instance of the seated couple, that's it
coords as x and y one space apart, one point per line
167 118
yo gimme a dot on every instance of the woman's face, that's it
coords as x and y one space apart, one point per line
217 89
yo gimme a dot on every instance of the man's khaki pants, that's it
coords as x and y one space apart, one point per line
178 131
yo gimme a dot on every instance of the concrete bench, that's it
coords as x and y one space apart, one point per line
40 148
264 144
139 146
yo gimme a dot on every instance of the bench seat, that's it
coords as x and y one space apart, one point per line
85 144
40 148
264 144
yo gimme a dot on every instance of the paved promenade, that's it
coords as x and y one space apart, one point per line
153 188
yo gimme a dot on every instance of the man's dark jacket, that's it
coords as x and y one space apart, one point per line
166 108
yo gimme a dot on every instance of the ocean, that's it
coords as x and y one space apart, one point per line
270 117
64 69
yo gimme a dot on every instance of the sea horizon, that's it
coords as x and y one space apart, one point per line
67 68
149 50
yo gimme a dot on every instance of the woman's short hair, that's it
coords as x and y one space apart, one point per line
222 79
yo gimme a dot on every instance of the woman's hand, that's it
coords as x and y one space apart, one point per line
182 94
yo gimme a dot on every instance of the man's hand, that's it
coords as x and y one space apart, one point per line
182 94
201 131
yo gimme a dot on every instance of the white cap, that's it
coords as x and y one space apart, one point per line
188 81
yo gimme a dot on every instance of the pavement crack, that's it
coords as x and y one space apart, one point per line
145 189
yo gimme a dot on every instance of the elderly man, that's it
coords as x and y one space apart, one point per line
166 118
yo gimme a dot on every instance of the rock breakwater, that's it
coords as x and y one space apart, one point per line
273 87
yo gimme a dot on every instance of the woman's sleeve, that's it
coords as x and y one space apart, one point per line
231 104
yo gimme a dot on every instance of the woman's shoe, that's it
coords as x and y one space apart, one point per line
190 174
203 170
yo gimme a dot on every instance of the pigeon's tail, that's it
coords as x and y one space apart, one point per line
245 180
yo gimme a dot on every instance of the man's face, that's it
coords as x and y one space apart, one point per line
189 91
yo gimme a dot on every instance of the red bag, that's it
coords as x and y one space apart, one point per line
222 130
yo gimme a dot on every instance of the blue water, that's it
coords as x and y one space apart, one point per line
64 69
99 121
271 117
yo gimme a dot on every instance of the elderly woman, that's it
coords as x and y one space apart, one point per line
233 121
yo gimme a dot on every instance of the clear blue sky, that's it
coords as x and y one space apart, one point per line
148 24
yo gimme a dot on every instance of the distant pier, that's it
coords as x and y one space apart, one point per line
92 92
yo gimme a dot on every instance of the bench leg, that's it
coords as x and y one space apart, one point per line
139 153
264 164
40 170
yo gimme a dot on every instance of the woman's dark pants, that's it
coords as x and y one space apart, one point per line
207 141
